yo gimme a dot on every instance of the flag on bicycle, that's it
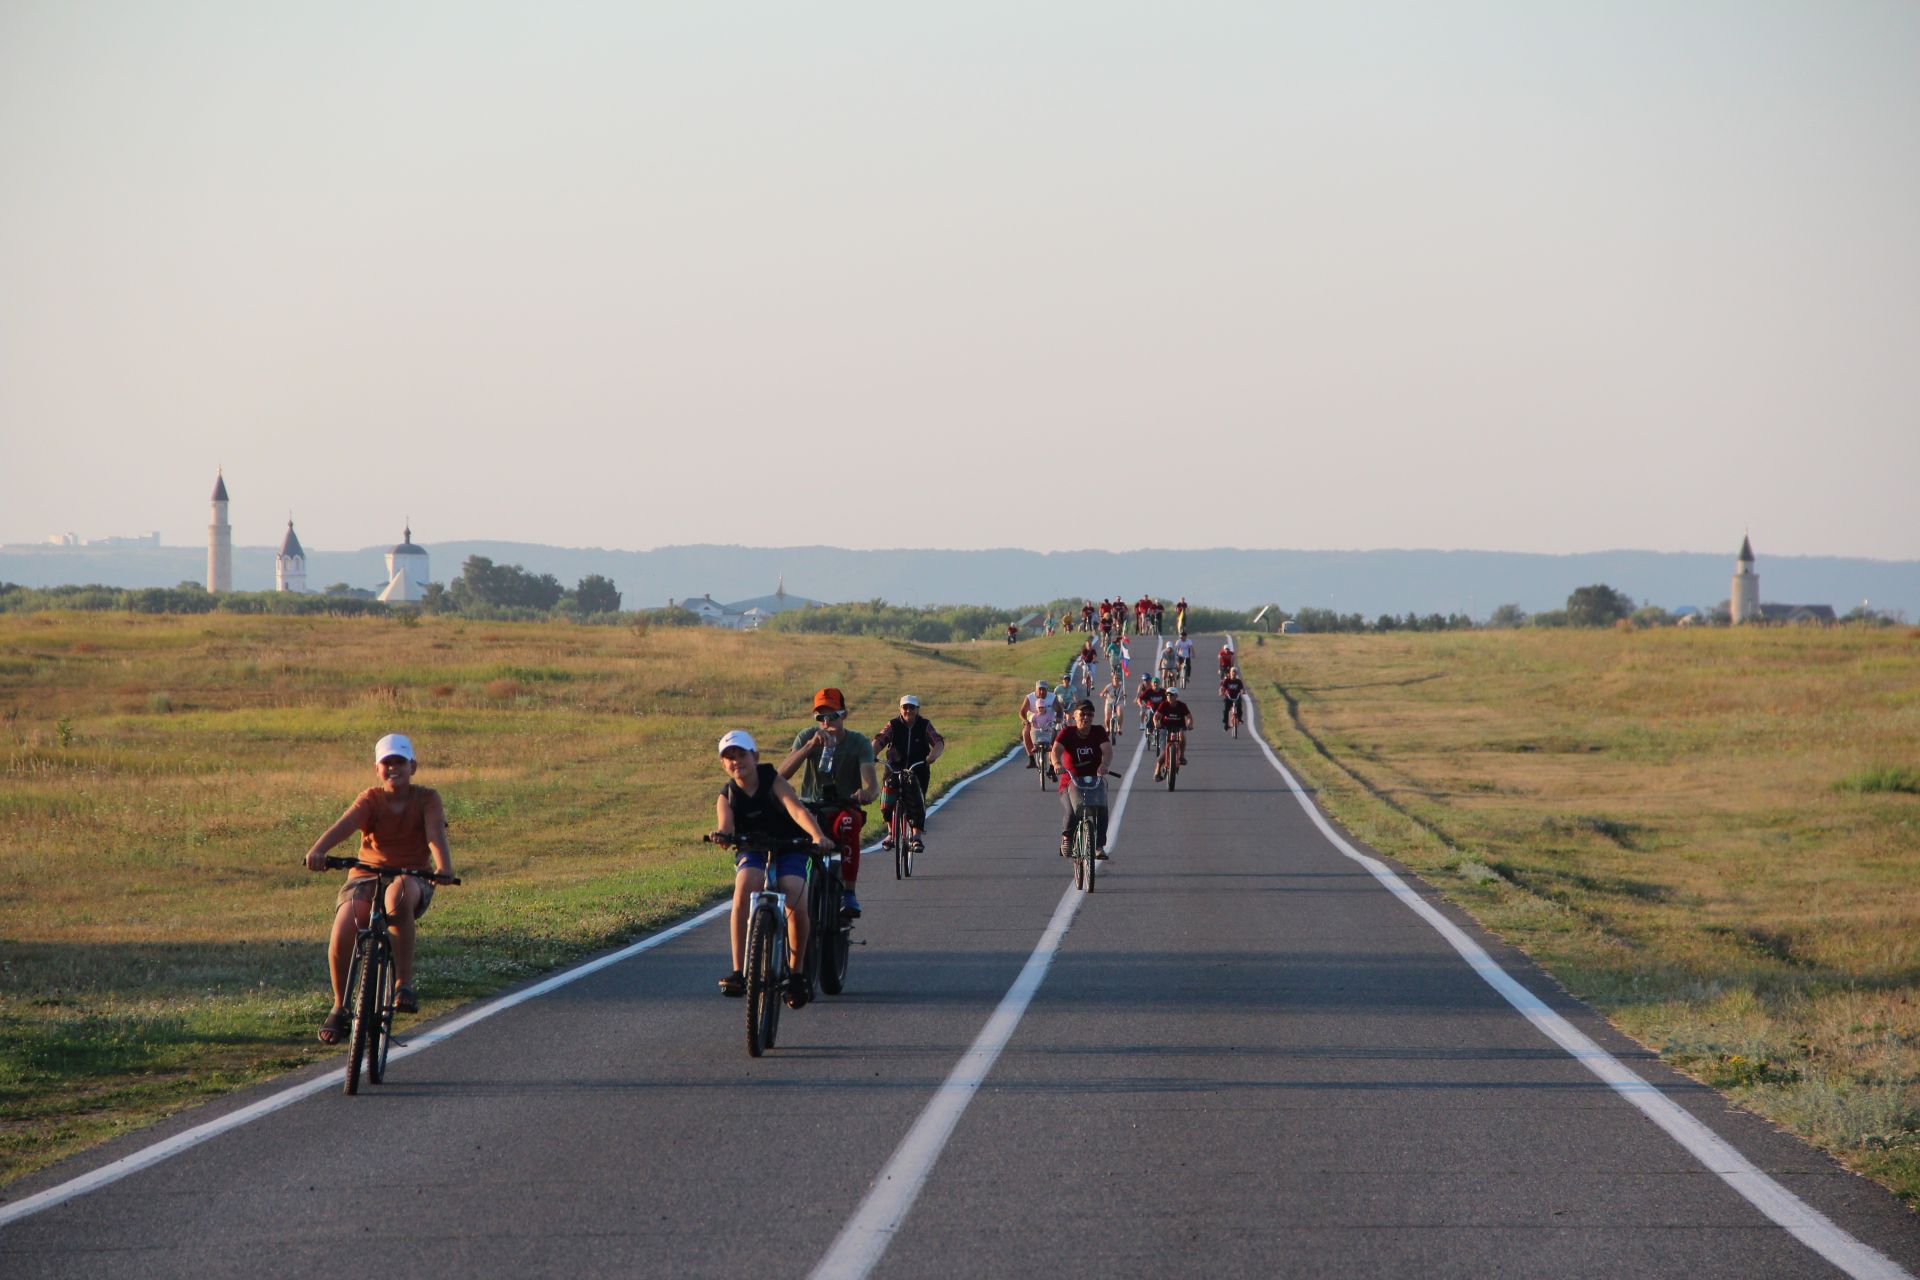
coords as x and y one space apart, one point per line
1126 659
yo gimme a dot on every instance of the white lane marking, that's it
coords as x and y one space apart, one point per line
1801 1220
147 1157
864 1240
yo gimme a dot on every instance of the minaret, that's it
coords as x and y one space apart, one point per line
290 566
1744 606
220 540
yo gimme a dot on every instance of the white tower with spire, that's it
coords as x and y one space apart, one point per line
220 540
1744 604
290 566
406 571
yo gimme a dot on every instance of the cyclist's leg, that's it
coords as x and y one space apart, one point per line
916 797
1069 801
403 905
349 918
795 887
746 882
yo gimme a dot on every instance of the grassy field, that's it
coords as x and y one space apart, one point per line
160 941
1712 836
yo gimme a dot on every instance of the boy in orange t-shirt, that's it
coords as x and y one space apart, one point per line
401 826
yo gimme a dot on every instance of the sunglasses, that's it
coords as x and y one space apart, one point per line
828 717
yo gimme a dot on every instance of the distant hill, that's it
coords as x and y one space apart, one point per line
1366 582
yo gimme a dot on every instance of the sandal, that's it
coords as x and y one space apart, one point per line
405 1001
734 983
334 1029
799 991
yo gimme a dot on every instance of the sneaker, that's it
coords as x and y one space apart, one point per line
799 991
734 983
1099 855
1031 764
405 1001
916 845
849 905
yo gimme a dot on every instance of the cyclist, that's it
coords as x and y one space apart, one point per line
1180 615
1082 751
1113 701
1106 615
1169 664
1175 719
1183 648
1147 697
1231 687
757 801
911 743
403 827
1039 711
838 783
1226 659
1013 632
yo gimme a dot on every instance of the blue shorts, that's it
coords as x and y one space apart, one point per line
784 864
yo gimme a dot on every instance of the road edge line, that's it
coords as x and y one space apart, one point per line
1801 1220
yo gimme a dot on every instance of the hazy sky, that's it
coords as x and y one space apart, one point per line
1519 275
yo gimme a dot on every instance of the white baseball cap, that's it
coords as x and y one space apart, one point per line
737 738
908 700
394 744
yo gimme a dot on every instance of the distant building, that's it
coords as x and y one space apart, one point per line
406 571
290 564
712 613
1744 605
779 602
744 615
220 540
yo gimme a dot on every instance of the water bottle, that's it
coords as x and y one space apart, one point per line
826 754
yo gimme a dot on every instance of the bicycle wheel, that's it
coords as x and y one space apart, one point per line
761 984
834 941
1079 858
902 858
1093 863
1046 767
1173 766
366 998
383 1023
782 970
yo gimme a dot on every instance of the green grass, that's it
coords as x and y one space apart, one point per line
1653 816
159 942
1883 778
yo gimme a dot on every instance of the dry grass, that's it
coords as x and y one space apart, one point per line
164 776
1673 823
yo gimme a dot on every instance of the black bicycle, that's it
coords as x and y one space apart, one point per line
372 984
768 968
1083 842
909 808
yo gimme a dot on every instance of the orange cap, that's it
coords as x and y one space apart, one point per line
829 700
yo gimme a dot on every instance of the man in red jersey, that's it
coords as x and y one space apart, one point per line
1082 752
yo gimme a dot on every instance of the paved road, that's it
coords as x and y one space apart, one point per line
1245 1058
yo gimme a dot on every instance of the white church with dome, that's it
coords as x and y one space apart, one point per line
407 573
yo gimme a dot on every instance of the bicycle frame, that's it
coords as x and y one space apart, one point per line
372 1009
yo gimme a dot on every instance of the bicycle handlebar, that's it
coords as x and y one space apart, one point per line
344 864
760 844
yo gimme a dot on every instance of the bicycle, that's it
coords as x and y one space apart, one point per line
1083 843
1168 761
372 985
1043 747
768 967
902 783
1233 716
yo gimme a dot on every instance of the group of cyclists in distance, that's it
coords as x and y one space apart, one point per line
1074 727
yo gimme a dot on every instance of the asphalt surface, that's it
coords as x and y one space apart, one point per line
1246 1058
